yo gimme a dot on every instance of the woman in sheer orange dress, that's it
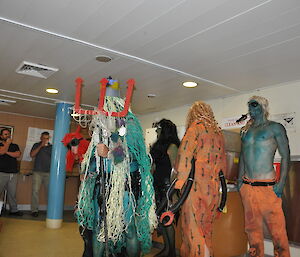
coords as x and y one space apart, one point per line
204 141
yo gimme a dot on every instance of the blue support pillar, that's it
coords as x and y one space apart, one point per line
57 171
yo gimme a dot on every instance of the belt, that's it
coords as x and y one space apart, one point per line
259 183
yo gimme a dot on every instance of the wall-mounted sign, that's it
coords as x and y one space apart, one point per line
230 123
288 120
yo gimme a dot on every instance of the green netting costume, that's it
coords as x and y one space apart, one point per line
116 209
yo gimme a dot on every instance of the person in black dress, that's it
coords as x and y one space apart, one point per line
163 153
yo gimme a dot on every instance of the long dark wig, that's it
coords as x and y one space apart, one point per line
168 136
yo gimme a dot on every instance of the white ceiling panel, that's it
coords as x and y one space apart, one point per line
136 21
182 30
102 19
15 9
227 46
209 56
267 67
162 31
214 36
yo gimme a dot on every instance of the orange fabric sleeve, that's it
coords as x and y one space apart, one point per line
187 150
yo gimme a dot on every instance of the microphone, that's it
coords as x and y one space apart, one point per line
242 118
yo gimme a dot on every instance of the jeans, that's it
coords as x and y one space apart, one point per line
9 181
37 180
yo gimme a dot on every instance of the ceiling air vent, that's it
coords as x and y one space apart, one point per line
36 70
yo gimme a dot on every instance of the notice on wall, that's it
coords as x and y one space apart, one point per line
288 120
230 123
33 136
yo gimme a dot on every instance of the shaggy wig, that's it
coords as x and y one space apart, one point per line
168 136
264 103
201 111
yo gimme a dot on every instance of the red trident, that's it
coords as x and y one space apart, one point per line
103 83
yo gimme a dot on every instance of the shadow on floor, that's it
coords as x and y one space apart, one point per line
68 216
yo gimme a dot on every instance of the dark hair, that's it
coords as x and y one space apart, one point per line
45 133
2 130
168 136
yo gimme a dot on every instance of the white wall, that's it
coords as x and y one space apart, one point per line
176 115
282 99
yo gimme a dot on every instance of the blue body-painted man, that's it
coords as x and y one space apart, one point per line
259 189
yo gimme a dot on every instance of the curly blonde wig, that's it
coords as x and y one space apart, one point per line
201 111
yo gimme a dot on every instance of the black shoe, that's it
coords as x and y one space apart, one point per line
16 213
35 214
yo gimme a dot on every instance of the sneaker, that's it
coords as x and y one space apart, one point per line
16 213
35 214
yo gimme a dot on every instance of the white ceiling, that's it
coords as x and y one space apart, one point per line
227 46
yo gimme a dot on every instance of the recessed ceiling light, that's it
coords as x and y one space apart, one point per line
151 95
190 84
52 90
103 58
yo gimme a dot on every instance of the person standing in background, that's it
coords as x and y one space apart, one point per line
41 151
9 153
163 153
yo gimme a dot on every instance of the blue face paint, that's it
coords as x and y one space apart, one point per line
255 109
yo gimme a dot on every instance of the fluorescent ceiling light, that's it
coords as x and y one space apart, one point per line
52 90
190 84
6 101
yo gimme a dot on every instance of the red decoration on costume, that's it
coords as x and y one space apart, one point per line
82 148
103 82
167 214
78 92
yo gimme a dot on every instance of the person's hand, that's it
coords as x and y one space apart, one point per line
102 150
45 142
278 189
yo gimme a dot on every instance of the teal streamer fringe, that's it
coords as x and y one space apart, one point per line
88 218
